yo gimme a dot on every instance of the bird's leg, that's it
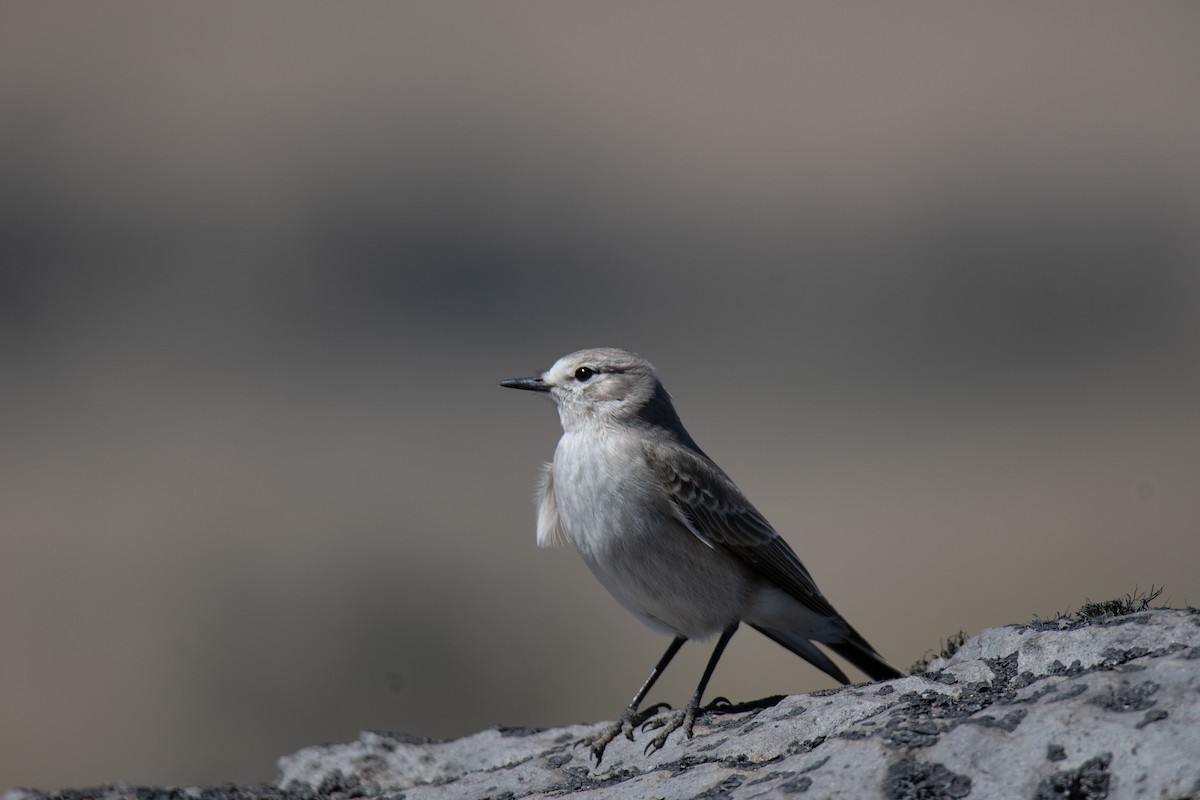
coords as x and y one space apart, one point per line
686 717
631 717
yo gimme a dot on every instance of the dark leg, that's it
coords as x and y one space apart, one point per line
687 717
659 668
630 717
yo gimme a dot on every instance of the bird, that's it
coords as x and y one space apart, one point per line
669 534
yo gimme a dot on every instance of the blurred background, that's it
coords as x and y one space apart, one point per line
923 278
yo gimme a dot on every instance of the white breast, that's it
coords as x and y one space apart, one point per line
623 525
603 492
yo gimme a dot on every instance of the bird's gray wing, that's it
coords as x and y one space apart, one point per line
716 511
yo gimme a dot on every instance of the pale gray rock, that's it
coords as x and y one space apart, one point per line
1108 708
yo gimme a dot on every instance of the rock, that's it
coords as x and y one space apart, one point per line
1109 708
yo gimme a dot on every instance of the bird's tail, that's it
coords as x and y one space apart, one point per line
852 647
855 649
801 646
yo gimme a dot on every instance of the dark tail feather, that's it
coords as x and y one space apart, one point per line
806 650
855 649
852 647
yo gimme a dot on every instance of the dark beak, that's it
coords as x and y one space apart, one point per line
528 384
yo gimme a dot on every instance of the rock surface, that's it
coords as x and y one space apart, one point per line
1109 708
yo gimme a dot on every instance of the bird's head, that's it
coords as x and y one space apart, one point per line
598 386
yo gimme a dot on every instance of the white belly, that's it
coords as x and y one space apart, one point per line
623 528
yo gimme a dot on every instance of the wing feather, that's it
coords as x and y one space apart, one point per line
716 511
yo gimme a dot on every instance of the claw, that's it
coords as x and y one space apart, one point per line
597 744
625 724
650 718
670 723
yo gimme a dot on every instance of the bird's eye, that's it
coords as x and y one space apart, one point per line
583 373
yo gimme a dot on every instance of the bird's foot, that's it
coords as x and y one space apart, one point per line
630 718
668 724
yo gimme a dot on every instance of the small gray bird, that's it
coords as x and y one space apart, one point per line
668 534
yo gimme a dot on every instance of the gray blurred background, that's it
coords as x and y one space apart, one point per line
923 278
